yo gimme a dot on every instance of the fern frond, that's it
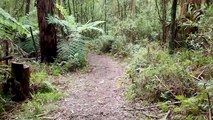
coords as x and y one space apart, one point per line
92 26
68 49
61 23
8 21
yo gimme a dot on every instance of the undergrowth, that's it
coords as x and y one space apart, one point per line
156 76
44 93
39 106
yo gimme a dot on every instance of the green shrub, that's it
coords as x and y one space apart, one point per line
38 77
158 76
46 87
103 44
41 103
75 62
123 49
2 102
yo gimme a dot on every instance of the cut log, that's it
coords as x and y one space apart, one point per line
21 73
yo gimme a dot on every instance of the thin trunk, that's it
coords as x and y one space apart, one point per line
34 43
48 42
125 7
133 7
69 7
173 27
73 6
105 17
118 8
6 51
77 14
27 11
164 16
93 10
81 12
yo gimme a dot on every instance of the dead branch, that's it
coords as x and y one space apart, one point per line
150 116
153 106
6 58
164 85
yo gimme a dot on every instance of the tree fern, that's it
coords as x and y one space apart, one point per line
69 24
72 50
91 26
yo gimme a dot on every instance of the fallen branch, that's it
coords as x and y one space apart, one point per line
6 58
167 116
150 116
165 86
153 106
195 78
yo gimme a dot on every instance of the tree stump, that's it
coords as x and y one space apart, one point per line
21 86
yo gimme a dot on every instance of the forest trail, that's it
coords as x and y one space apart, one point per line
95 95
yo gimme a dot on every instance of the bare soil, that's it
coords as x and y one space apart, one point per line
96 95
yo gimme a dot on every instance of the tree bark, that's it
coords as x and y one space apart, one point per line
173 27
164 17
133 7
6 51
27 11
93 10
105 16
21 83
48 41
69 8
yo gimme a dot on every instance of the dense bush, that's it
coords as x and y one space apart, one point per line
157 76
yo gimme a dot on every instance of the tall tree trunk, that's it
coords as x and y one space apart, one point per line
73 7
164 17
133 7
27 11
119 11
105 16
81 16
69 7
173 27
93 10
48 42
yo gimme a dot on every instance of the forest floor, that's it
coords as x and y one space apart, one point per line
96 95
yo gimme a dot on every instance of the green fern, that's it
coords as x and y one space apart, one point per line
72 51
69 25
9 25
91 26
68 49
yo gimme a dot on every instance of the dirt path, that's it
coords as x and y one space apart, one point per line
95 95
